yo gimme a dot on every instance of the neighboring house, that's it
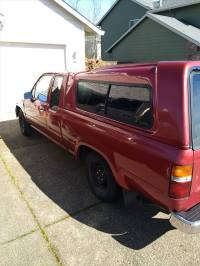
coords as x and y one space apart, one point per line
38 36
119 18
169 30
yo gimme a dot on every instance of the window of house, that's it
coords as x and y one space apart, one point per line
131 105
132 22
91 96
55 92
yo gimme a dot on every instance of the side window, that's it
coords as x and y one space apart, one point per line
131 105
91 96
195 108
133 22
55 92
40 90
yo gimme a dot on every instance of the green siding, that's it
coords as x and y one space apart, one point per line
150 42
188 14
116 23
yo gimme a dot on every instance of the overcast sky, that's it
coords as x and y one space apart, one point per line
86 7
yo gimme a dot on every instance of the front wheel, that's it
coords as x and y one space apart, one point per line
100 178
25 128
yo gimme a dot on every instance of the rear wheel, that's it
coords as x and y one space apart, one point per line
25 128
101 179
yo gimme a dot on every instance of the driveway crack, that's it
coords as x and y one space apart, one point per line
18 237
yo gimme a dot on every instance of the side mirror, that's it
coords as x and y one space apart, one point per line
28 95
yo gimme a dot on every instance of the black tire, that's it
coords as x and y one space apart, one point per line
100 178
25 128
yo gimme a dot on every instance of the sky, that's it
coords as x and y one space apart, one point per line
92 9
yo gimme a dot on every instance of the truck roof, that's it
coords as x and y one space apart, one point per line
129 66
147 64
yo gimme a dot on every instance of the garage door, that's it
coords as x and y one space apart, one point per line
21 65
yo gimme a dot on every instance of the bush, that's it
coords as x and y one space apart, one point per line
95 63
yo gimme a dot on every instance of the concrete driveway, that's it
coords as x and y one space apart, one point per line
49 216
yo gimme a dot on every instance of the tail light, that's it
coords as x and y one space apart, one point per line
180 183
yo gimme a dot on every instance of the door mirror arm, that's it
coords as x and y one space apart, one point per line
33 99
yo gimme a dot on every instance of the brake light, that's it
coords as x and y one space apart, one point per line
180 183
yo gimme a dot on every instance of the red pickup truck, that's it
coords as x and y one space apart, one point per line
136 126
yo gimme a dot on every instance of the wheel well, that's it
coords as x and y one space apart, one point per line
17 110
83 151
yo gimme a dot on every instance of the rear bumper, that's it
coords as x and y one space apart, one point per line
187 222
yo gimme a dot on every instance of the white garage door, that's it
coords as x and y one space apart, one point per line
21 65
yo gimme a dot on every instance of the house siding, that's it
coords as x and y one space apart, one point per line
117 22
188 14
151 42
44 22
38 36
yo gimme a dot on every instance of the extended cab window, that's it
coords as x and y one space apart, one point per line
91 96
55 92
195 108
131 105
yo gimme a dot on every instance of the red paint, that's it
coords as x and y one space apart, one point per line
140 159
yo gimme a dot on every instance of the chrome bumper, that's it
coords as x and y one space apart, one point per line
184 223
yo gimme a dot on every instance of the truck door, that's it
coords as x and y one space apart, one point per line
37 107
55 106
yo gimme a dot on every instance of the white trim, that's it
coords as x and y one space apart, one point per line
77 15
25 43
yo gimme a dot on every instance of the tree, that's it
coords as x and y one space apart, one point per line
91 9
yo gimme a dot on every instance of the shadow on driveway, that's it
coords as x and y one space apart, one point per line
64 181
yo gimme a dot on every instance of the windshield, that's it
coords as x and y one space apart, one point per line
195 108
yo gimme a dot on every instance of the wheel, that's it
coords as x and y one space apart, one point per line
101 179
25 128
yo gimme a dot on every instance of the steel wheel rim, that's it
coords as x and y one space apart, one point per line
100 176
